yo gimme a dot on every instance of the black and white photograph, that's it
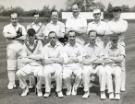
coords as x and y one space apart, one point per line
67 51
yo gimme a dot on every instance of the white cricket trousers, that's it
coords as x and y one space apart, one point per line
69 72
116 72
123 75
13 52
123 72
56 70
24 72
88 71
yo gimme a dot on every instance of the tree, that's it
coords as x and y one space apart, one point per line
53 8
109 9
100 5
69 3
19 10
84 5
108 14
132 9
125 8
1 8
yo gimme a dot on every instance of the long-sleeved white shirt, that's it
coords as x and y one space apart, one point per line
92 52
52 52
70 52
101 27
78 23
118 27
59 28
119 51
9 31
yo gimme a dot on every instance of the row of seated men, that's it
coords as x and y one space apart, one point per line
15 33
72 59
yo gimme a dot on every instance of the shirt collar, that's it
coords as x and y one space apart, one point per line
52 22
76 18
16 25
57 44
114 48
35 41
97 22
94 45
72 46
39 24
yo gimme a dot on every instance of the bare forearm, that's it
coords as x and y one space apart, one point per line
117 59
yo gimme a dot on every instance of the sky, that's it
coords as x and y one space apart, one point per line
38 4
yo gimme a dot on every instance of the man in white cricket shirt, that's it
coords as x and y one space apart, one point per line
52 56
99 26
31 60
116 55
15 34
119 26
77 24
72 68
57 26
37 26
92 64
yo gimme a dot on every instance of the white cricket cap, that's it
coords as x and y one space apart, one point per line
96 11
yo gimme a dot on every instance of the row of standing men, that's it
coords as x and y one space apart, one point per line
76 25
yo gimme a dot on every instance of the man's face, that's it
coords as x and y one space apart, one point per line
54 17
75 10
31 39
14 19
36 18
97 16
71 38
105 39
116 15
53 39
92 36
114 41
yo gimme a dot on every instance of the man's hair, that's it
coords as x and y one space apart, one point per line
54 10
75 3
52 32
13 13
36 13
92 31
31 32
116 9
114 38
71 31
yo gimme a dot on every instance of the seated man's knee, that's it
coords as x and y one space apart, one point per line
118 71
66 76
20 73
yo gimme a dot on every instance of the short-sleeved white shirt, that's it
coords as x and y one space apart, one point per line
39 28
59 28
76 23
119 27
101 27
9 31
